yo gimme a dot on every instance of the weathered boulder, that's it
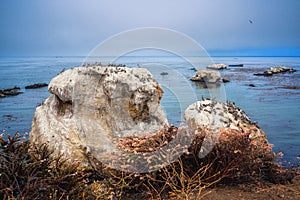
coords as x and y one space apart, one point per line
276 70
207 76
226 137
89 106
216 117
217 66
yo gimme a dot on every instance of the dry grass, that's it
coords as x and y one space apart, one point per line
33 172
30 172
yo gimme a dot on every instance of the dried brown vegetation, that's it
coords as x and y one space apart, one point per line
33 172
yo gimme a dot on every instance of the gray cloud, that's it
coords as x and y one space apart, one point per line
71 27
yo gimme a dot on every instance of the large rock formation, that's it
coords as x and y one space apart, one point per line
99 109
89 106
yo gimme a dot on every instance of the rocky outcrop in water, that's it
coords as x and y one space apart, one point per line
207 76
16 90
89 106
36 85
217 66
236 65
10 92
276 70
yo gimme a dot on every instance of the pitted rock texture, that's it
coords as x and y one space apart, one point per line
217 116
89 106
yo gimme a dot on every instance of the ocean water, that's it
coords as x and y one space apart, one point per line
270 103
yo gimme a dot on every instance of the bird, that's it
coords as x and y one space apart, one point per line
250 21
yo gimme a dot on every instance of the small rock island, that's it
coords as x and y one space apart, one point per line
276 70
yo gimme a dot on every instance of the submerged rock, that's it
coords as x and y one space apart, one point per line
89 106
10 92
236 65
217 66
164 73
291 87
207 76
36 85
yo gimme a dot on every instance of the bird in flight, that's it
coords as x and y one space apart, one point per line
251 22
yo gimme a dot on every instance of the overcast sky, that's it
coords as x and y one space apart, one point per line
222 27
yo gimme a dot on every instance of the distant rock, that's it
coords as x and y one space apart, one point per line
164 73
10 92
89 106
36 85
207 76
291 87
236 65
276 70
251 85
9 117
193 69
281 69
217 66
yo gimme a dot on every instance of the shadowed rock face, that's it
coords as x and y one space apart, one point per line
89 106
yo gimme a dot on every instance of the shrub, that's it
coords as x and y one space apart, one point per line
31 172
34 172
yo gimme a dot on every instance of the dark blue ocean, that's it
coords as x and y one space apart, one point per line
271 103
